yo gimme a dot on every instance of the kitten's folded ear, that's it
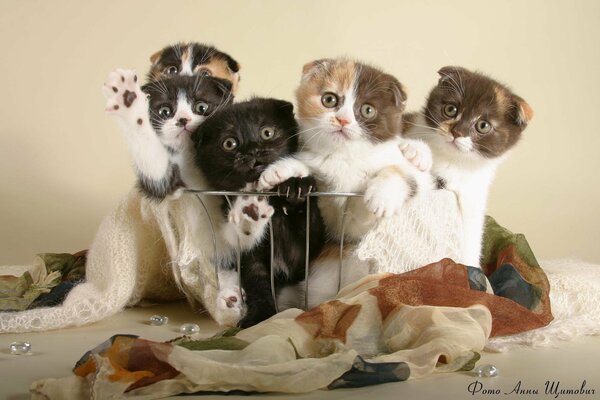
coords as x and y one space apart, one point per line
283 106
523 113
156 56
233 65
311 68
451 72
399 92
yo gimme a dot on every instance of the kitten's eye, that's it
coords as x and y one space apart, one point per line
267 133
172 70
368 111
483 126
201 108
450 110
165 111
230 144
204 72
329 100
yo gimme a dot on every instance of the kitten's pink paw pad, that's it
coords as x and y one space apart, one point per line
418 154
230 307
250 214
122 91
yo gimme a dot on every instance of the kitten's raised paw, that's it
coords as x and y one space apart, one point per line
385 196
249 216
124 97
418 153
230 307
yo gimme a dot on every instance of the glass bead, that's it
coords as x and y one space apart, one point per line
20 348
158 320
486 371
189 329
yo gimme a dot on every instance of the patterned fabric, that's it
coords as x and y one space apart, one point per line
515 274
383 328
46 284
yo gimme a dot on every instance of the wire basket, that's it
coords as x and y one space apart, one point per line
227 194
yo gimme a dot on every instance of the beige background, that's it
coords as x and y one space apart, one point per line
63 163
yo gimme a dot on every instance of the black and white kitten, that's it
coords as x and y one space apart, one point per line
233 148
157 121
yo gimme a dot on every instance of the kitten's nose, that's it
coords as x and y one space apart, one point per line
182 122
342 121
455 130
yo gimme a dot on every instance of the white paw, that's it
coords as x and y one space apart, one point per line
280 172
249 216
418 153
124 96
230 307
385 196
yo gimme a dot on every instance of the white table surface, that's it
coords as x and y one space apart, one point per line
55 353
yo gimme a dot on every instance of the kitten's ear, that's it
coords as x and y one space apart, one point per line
524 112
233 65
146 88
224 87
399 92
284 106
156 56
311 68
451 72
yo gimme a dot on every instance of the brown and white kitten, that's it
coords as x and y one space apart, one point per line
470 123
350 117
194 59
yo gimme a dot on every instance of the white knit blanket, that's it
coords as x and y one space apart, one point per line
145 250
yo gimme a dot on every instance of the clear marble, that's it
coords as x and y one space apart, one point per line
486 371
189 329
158 320
20 348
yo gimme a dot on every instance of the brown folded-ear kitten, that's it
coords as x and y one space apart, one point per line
470 123
194 59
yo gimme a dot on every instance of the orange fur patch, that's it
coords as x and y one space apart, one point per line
392 170
331 75
218 68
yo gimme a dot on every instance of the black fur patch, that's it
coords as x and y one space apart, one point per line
440 183
159 189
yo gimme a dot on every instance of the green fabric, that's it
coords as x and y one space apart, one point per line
48 271
224 340
496 238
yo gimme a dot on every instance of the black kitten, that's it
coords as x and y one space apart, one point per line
233 148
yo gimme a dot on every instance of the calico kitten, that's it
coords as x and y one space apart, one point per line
233 148
194 59
350 115
470 121
163 115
